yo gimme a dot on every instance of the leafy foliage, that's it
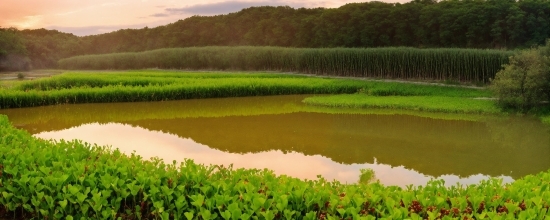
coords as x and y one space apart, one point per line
525 82
46 47
472 24
12 51
367 176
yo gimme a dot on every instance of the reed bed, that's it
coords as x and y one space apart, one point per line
417 103
444 64
160 86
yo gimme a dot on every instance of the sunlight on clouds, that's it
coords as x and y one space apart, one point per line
128 13
28 21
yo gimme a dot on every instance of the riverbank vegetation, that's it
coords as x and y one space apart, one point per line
41 179
418 103
454 65
85 87
524 83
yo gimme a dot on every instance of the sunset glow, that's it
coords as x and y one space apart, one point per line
87 17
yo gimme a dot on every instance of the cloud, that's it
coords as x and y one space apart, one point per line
159 15
228 7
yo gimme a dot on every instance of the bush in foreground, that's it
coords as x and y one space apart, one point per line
41 179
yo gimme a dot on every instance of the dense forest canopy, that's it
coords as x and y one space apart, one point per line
501 24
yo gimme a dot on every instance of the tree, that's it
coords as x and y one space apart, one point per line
525 82
12 51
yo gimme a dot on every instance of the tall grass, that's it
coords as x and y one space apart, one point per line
418 103
159 86
472 65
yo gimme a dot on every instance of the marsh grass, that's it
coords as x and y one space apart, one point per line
161 86
444 64
418 103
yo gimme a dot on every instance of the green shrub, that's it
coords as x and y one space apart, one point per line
367 176
525 82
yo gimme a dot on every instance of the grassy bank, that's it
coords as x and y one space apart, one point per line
546 120
223 107
161 85
40 179
470 65
418 103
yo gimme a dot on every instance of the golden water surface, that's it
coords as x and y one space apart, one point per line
282 134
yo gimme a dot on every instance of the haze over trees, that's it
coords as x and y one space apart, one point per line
501 24
12 51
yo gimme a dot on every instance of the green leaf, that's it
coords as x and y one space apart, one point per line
226 214
205 213
81 197
245 216
189 215
84 208
7 195
235 211
268 215
73 189
63 203
198 200
288 214
165 216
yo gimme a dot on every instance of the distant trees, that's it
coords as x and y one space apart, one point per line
46 47
419 23
502 24
12 51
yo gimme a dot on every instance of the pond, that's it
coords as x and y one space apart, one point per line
284 135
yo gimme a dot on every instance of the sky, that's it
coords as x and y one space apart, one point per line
88 17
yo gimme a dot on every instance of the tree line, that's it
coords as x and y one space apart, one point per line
500 24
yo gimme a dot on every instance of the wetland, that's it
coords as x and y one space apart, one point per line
282 134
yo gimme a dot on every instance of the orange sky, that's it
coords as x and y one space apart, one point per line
85 17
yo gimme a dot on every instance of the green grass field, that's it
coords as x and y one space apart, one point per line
94 87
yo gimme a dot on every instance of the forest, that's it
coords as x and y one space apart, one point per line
494 24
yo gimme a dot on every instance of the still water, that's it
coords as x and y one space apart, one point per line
282 134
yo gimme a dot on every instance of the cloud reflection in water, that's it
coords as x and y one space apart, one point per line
171 147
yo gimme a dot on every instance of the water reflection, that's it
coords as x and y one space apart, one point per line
174 148
281 133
